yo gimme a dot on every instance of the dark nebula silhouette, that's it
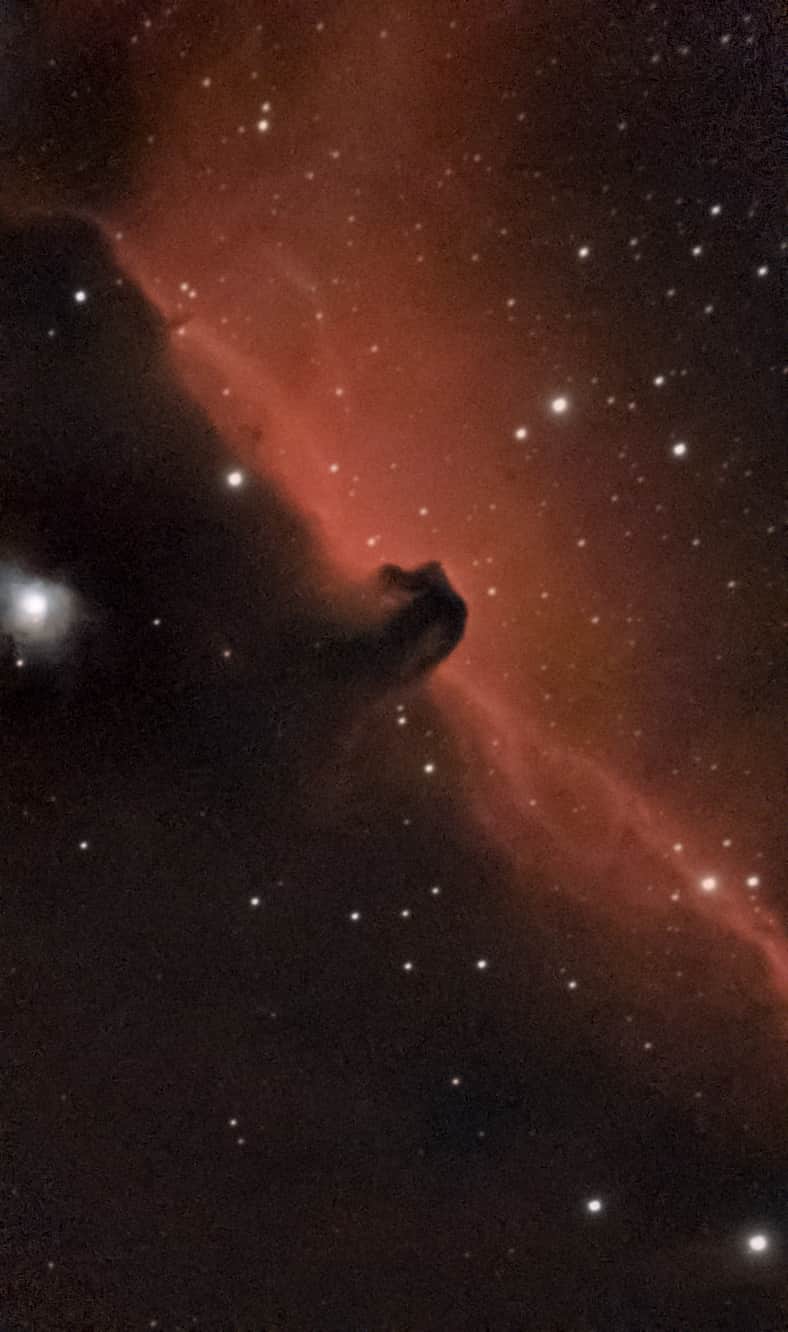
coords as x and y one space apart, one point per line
209 686
120 484
391 718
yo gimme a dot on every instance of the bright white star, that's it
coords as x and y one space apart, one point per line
33 606
36 613
758 1243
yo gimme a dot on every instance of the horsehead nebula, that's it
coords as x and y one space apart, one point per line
356 311
423 446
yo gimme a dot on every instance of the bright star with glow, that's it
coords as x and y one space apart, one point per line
36 613
758 1243
32 606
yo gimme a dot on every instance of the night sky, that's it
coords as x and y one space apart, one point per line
392 674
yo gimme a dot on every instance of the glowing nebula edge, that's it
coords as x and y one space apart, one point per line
318 315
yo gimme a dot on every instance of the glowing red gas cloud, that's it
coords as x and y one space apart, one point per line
338 237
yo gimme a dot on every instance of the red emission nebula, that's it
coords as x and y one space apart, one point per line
343 241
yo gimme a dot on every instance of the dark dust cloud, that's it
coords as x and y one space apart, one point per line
391 680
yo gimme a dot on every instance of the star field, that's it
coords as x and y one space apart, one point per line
391 668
